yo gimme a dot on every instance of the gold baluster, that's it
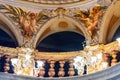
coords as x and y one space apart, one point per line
61 72
7 65
71 69
51 72
114 55
41 73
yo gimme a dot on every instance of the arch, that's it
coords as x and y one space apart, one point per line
107 25
40 39
113 30
46 27
11 29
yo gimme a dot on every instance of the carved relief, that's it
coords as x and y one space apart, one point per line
59 11
91 19
28 21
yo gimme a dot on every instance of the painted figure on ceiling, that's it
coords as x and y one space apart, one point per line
28 21
29 24
91 19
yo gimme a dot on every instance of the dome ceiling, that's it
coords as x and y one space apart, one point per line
55 2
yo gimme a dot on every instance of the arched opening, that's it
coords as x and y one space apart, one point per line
62 42
61 24
6 40
11 29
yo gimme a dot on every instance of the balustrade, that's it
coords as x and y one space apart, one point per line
90 57
61 73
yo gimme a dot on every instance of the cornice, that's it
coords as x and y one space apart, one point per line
37 7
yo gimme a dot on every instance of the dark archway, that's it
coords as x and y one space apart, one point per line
116 35
62 42
6 40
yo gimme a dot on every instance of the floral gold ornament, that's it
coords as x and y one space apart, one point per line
59 12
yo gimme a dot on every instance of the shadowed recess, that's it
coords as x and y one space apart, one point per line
116 35
62 42
6 40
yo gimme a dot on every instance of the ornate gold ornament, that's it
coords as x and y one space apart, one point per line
91 18
28 21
